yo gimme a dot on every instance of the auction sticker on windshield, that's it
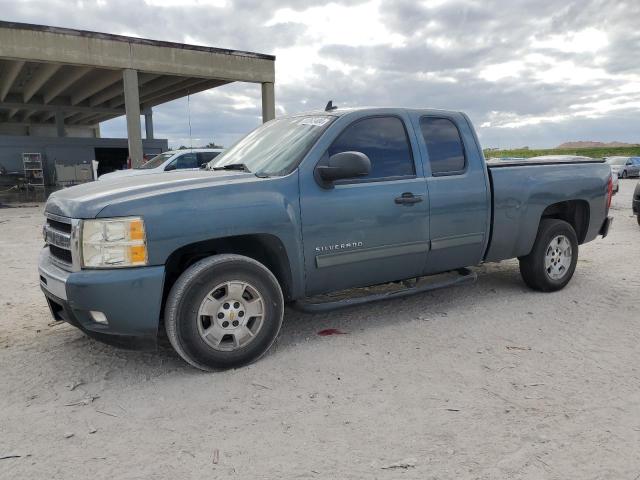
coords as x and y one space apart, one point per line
315 121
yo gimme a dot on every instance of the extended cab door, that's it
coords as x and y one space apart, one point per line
459 193
369 230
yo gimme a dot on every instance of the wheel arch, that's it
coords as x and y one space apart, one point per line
265 248
574 212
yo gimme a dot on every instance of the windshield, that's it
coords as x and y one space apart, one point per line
276 147
617 160
156 161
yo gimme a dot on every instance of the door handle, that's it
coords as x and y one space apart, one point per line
408 198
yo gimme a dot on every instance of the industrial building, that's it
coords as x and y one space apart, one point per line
58 84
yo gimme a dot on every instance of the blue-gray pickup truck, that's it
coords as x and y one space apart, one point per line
303 206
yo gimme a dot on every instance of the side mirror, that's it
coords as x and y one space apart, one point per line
344 165
204 166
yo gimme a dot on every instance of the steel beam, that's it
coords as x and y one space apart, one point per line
106 79
61 84
41 107
200 87
44 72
116 90
10 76
152 87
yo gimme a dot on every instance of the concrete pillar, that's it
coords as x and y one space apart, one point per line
132 108
60 124
268 102
148 124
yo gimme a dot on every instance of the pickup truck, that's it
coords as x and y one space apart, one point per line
303 206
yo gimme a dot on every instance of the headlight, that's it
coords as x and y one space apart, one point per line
114 242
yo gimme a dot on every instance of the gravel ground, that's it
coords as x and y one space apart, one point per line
484 381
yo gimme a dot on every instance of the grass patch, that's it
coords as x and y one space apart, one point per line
596 152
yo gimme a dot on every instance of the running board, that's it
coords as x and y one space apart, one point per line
464 276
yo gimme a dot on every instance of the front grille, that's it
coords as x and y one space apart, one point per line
57 236
57 225
61 254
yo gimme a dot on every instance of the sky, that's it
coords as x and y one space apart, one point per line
528 72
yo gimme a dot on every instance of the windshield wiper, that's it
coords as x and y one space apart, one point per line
233 166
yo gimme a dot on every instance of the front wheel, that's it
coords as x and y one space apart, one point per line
223 312
625 174
554 256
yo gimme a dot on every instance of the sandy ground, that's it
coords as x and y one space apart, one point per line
487 381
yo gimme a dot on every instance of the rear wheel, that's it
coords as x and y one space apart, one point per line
223 312
554 256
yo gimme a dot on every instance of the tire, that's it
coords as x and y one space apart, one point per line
533 267
638 218
195 298
625 174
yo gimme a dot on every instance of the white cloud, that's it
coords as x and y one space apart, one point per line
186 3
587 40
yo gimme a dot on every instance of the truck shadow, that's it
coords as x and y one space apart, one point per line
300 329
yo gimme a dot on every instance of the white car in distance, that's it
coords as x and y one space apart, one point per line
190 159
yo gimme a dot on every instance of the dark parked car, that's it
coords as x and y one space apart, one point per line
624 166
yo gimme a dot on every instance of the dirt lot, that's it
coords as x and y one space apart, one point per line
486 381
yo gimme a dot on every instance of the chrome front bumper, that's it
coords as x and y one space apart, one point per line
52 278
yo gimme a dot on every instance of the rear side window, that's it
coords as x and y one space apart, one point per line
384 140
204 157
444 145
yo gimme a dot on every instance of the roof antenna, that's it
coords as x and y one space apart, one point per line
330 106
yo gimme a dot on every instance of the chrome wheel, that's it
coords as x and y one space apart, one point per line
558 256
231 315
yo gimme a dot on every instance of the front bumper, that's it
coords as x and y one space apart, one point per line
130 298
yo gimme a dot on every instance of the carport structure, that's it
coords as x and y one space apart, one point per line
64 77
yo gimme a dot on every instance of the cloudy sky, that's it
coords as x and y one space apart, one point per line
528 72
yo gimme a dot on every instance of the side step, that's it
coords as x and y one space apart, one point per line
328 302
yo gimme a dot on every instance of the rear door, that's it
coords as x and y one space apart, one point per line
457 182
365 231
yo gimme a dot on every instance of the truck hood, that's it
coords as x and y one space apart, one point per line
87 200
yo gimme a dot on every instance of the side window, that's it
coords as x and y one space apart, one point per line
204 157
446 153
171 165
384 140
188 160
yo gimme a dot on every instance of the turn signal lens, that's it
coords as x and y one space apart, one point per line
136 230
138 254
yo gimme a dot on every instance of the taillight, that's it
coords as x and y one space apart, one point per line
609 192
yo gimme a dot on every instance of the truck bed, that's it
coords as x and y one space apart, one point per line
521 190
496 163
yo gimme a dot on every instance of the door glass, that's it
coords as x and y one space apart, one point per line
384 140
188 160
204 157
444 145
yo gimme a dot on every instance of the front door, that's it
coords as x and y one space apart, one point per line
374 229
